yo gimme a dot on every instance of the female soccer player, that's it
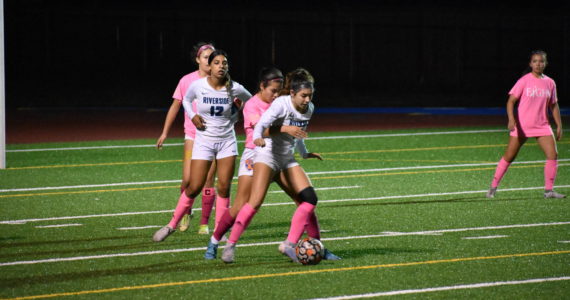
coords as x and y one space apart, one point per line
535 93
201 53
274 157
214 118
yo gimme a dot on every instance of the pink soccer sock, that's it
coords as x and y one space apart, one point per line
550 169
222 205
182 208
243 219
299 221
313 229
502 168
226 222
208 197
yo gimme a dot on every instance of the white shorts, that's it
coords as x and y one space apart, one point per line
246 162
275 161
208 150
188 138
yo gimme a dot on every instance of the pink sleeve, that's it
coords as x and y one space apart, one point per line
178 95
250 115
517 90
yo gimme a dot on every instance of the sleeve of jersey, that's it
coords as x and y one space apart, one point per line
301 148
187 101
268 117
243 94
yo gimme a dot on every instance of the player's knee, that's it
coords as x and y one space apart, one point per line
308 195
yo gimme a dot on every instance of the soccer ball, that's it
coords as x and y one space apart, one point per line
310 251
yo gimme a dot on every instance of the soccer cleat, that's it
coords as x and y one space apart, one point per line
211 251
288 250
491 192
203 229
185 222
330 256
553 194
161 234
229 253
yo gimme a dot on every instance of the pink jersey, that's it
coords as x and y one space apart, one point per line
183 84
252 112
535 96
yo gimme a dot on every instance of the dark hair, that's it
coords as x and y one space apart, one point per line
533 53
297 76
199 47
229 84
268 74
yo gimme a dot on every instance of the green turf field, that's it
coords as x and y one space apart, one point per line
405 209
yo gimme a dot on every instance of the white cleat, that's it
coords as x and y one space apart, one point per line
229 253
491 193
553 194
161 234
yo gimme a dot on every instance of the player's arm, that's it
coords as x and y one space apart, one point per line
511 111
170 117
269 116
555 109
187 103
302 149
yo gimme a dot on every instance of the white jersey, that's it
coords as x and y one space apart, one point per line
282 112
215 107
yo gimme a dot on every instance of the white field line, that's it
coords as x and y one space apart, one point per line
140 227
241 141
325 188
391 234
23 221
308 173
59 225
564 242
448 288
484 237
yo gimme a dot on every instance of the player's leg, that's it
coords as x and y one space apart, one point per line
513 147
208 199
262 177
548 146
199 170
186 163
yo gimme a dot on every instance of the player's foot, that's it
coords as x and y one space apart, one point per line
211 251
553 194
288 249
161 234
491 192
330 256
229 253
185 222
203 229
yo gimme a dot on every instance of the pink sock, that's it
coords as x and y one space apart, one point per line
313 229
184 204
550 169
299 221
502 168
222 205
243 219
226 222
208 197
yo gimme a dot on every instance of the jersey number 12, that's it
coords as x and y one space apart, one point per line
216 110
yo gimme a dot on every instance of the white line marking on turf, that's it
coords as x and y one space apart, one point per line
564 242
23 221
76 258
308 173
58 225
484 237
140 227
448 288
241 141
325 188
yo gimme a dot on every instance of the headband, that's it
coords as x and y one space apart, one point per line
204 47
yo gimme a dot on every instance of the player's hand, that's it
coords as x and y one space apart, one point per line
294 131
260 142
314 155
558 133
160 141
199 122
512 125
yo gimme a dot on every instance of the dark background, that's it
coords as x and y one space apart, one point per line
131 54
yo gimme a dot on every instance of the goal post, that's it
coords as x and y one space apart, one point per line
2 92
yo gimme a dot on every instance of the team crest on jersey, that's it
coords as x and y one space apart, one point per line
249 164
